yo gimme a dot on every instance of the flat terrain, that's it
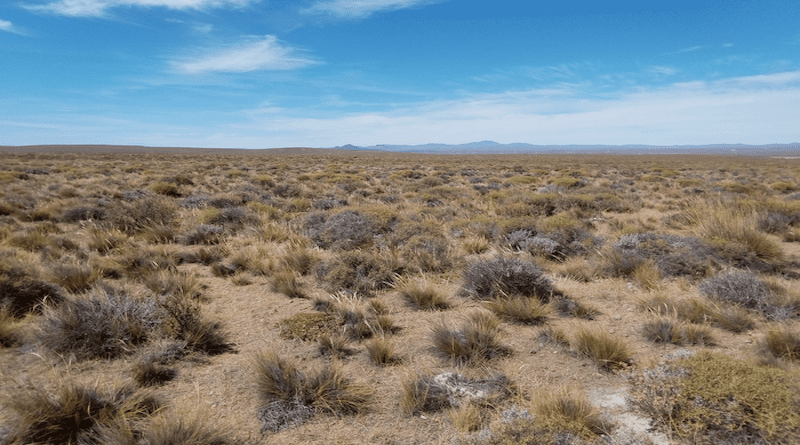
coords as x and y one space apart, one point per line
216 263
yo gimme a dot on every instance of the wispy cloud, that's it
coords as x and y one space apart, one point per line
354 9
7 26
752 110
100 8
256 54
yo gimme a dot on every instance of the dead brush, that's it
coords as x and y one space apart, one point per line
476 342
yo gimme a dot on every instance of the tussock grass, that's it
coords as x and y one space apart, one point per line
519 309
569 411
9 331
334 345
477 341
75 278
175 430
382 351
290 396
608 352
421 295
152 373
72 413
781 342
668 330
287 283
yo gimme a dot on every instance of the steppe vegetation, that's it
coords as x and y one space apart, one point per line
358 297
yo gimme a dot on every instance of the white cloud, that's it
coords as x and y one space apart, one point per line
750 110
262 54
7 26
362 8
99 8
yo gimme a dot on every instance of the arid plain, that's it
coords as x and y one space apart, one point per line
342 297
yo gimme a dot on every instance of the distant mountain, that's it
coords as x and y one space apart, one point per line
491 147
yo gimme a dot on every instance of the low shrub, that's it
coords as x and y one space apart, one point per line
165 188
344 231
290 396
136 215
206 234
357 272
77 214
713 398
738 287
102 324
485 280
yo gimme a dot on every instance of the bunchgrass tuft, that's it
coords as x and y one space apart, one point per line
608 352
152 373
781 342
569 411
175 430
476 342
334 345
519 309
669 330
72 413
290 396
287 283
422 295
382 351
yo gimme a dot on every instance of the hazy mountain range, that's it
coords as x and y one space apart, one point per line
489 147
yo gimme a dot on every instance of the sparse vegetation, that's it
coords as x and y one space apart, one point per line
445 270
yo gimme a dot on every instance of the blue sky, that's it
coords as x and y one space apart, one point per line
321 73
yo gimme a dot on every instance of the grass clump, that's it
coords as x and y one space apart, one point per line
476 342
519 309
182 320
174 430
287 283
357 272
608 352
668 330
344 231
75 278
9 334
382 351
152 373
21 293
713 398
290 397
421 295
485 280
781 342
566 411
73 413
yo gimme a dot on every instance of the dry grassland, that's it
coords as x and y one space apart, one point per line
359 297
